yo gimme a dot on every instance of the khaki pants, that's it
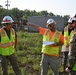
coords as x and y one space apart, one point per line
49 61
13 61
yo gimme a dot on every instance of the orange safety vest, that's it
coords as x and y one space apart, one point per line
51 50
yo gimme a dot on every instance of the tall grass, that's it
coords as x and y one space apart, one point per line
29 53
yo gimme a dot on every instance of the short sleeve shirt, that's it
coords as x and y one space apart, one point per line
42 31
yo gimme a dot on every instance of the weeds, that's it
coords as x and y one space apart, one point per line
29 53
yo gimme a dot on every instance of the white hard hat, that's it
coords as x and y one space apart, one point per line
73 19
50 21
70 20
73 16
7 19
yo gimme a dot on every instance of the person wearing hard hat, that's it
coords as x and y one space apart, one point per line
67 32
8 41
72 49
52 39
74 21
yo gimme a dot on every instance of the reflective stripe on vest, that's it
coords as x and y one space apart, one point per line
6 44
51 50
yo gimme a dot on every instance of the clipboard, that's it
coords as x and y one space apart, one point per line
48 43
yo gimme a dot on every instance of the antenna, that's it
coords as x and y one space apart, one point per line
7 4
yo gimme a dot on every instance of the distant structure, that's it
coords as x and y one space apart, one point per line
41 20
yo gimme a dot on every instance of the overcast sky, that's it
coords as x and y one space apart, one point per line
60 7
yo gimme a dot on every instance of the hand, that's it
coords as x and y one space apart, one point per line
67 45
55 44
30 24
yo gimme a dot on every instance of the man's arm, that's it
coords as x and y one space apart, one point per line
15 40
33 25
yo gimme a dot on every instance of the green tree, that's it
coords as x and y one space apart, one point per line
2 13
44 13
51 14
66 17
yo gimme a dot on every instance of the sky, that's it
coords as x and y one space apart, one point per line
57 7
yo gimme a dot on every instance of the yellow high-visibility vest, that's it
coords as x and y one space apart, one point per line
51 50
66 36
6 44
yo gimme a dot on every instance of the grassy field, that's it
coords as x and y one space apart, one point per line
29 53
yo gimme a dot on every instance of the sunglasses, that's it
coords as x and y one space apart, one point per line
8 24
51 25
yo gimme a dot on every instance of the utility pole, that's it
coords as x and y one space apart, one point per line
7 4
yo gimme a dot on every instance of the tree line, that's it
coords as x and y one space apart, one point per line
17 14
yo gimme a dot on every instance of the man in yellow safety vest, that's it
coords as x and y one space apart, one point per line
67 32
52 39
8 41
